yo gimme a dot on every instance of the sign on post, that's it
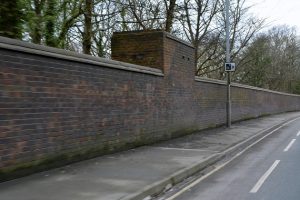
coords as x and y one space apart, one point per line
229 67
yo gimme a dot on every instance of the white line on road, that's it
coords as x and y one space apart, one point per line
289 145
298 134
194 183
264 177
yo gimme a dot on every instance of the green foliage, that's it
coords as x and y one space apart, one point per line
256 64
295 87
50 19
35 20
11 19
272 61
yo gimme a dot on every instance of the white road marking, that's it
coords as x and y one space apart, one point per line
289 145
191 185
264 177
298 134
188 187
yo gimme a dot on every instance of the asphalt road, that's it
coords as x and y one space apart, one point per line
270 170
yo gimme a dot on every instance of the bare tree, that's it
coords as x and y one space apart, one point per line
146 15
70 12
254 62
88 27
272 60
198 25
203 22
170 12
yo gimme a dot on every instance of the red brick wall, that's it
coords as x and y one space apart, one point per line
137 47
58 107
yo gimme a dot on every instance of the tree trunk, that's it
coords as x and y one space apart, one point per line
50 21
36 34
170 15
87 34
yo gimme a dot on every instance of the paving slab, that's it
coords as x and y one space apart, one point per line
133 174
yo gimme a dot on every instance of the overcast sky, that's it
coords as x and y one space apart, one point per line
277 12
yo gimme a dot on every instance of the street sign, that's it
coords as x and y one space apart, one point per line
229 67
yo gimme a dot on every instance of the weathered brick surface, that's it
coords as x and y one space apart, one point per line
55 109
137 47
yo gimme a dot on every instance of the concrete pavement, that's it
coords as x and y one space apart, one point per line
144 171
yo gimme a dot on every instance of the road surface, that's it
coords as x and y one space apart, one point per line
270 170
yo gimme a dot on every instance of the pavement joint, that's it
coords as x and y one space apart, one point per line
184 149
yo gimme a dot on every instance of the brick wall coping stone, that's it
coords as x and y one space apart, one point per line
170 36
220 82
12 44
26 47
209 80
166 34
